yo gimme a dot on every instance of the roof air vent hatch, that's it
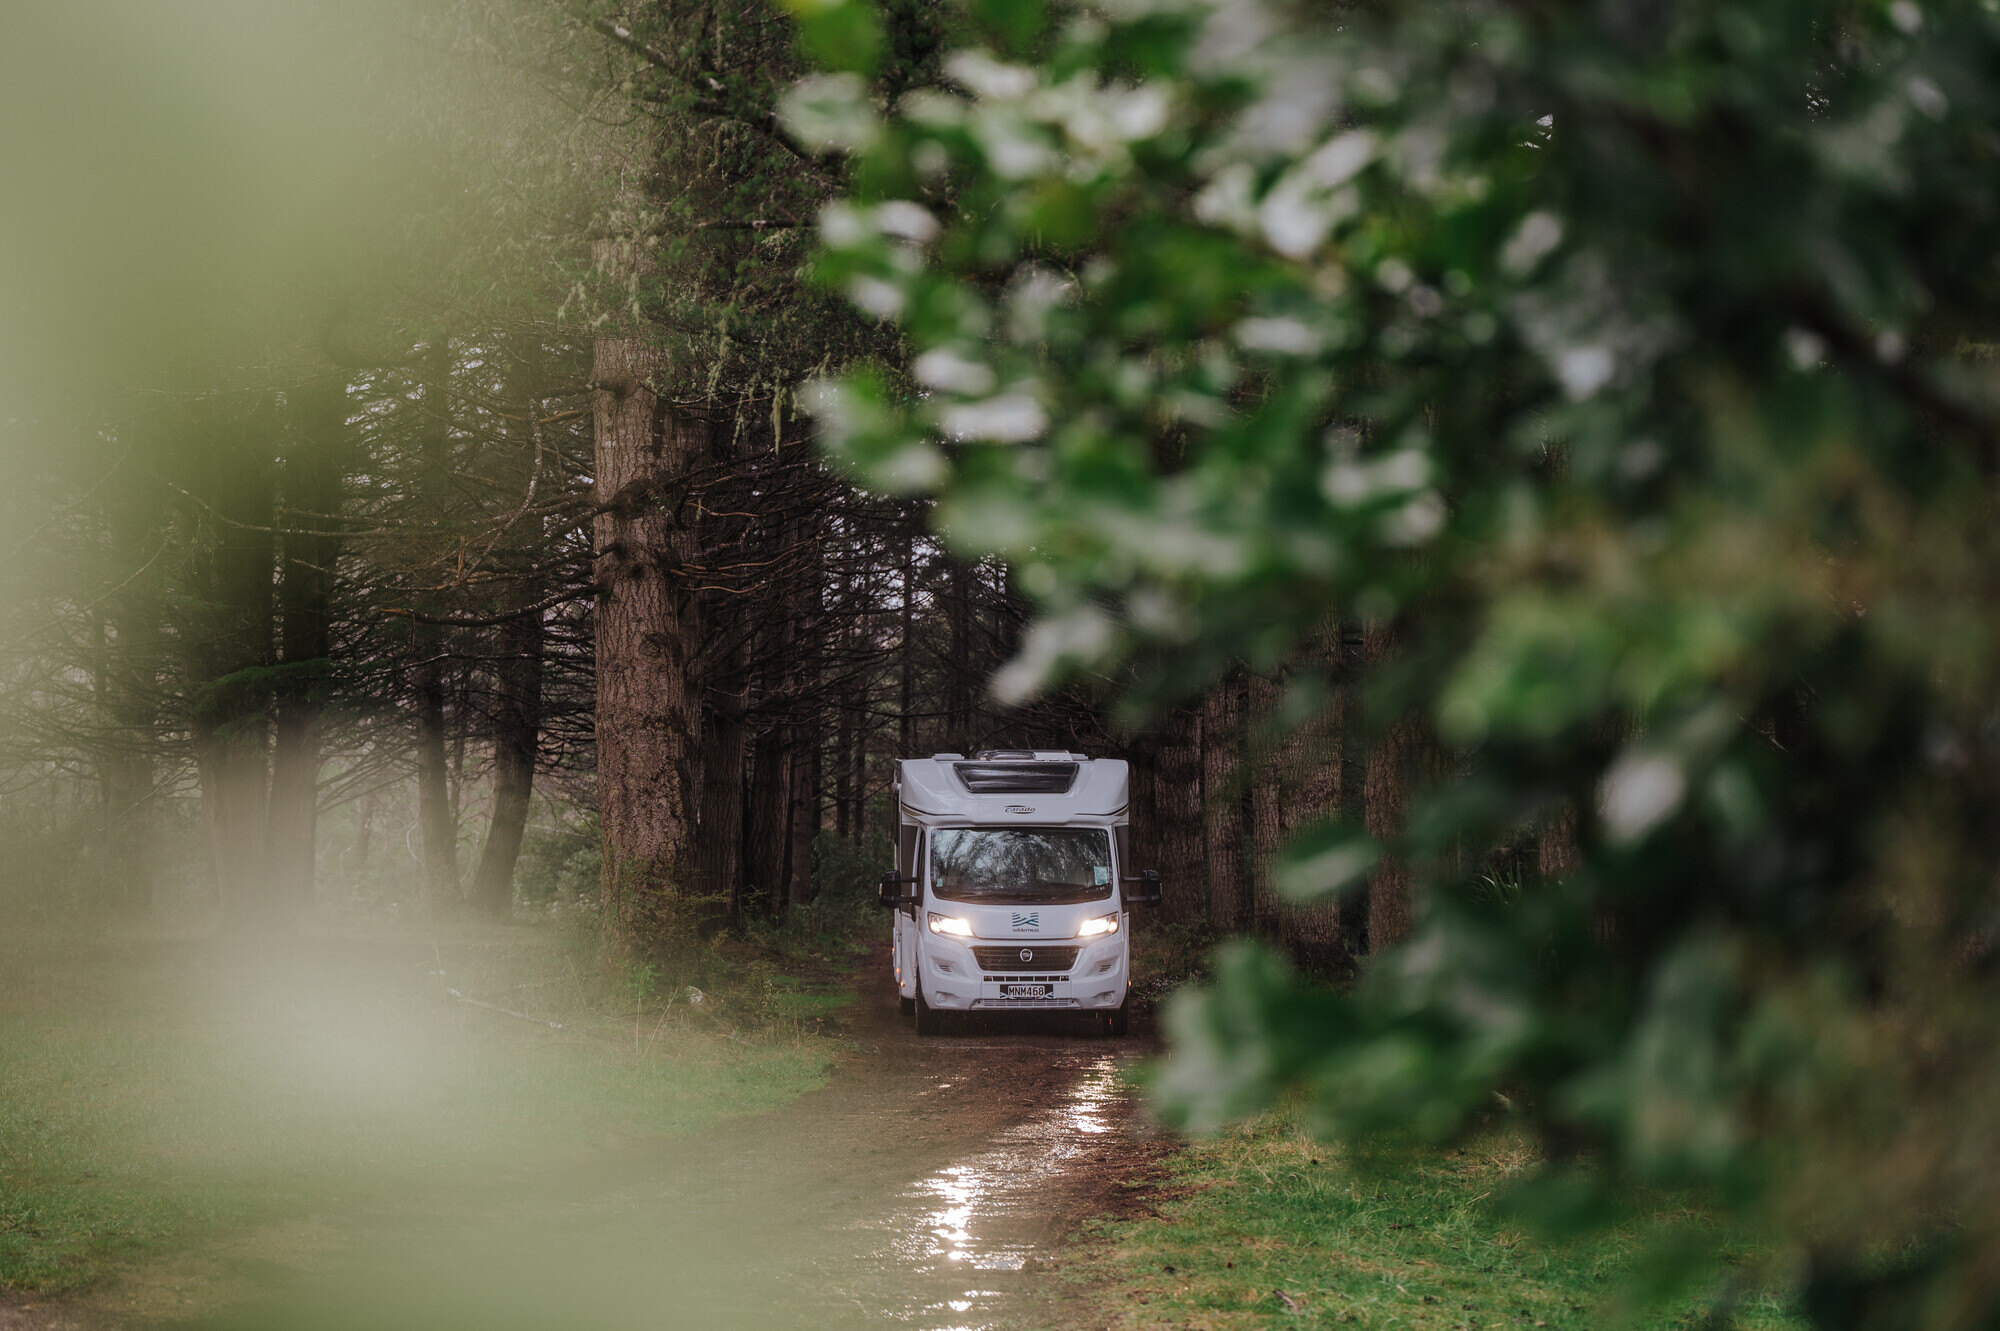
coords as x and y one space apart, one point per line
1016 778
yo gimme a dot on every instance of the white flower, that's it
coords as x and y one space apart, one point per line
1584 370
1289 337
882 299
911 221
1013 417
1079 634
944 369
1306 203
1539 233
983 76
1639 793
830 112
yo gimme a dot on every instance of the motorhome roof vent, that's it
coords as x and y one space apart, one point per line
1006 755
943 756
1015 778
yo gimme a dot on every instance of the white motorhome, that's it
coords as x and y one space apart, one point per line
1011 886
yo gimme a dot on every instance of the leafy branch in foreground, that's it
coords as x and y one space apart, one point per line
1622 365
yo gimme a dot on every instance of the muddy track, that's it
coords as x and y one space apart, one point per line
921 1187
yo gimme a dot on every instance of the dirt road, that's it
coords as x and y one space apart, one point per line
919 1188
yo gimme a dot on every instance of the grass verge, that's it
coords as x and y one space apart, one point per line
154 1095
1265 1226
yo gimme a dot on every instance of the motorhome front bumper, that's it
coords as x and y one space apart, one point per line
996 974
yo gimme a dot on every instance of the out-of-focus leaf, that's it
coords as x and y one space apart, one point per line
1326 858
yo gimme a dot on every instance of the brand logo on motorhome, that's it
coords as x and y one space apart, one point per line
1032 920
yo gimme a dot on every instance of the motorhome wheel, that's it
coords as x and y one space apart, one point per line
1118 1020
929 1020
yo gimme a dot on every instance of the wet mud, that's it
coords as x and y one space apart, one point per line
924 1186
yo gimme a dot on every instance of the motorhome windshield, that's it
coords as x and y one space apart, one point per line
1051 865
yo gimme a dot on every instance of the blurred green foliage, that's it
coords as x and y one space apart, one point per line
217 193
1628 364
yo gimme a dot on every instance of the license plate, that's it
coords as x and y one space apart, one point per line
1026 990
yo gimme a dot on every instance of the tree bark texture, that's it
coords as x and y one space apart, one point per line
805 806
647 714
1555 850
437 824
437 829
1229 902
517 730
958 670
906 649
1385 808
843 771
719 854
1299 780
1177 805
768 825
520 644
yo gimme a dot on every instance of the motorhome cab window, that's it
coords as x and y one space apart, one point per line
1044 865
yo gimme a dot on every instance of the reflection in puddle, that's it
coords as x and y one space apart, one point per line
990 1212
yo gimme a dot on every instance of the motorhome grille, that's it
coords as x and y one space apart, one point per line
1025 958
1016 778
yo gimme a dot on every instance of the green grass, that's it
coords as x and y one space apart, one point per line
156 1095
1268 1227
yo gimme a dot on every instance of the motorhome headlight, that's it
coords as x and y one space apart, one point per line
950 924
1103 924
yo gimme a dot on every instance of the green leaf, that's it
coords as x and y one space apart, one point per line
1326 858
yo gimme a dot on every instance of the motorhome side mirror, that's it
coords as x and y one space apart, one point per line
1147 891
890 893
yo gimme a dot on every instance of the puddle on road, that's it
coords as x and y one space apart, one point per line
819 1220
988 1214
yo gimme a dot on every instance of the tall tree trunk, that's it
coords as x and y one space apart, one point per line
517 732
437 830
1142 846
1222 807
959 669
1555 850
906 707
1177 804
312 480
232 756
864 728
805 808
364 836
520 642
1385 798
1299 780
768 824
648 717
843 770
719 854
231 643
